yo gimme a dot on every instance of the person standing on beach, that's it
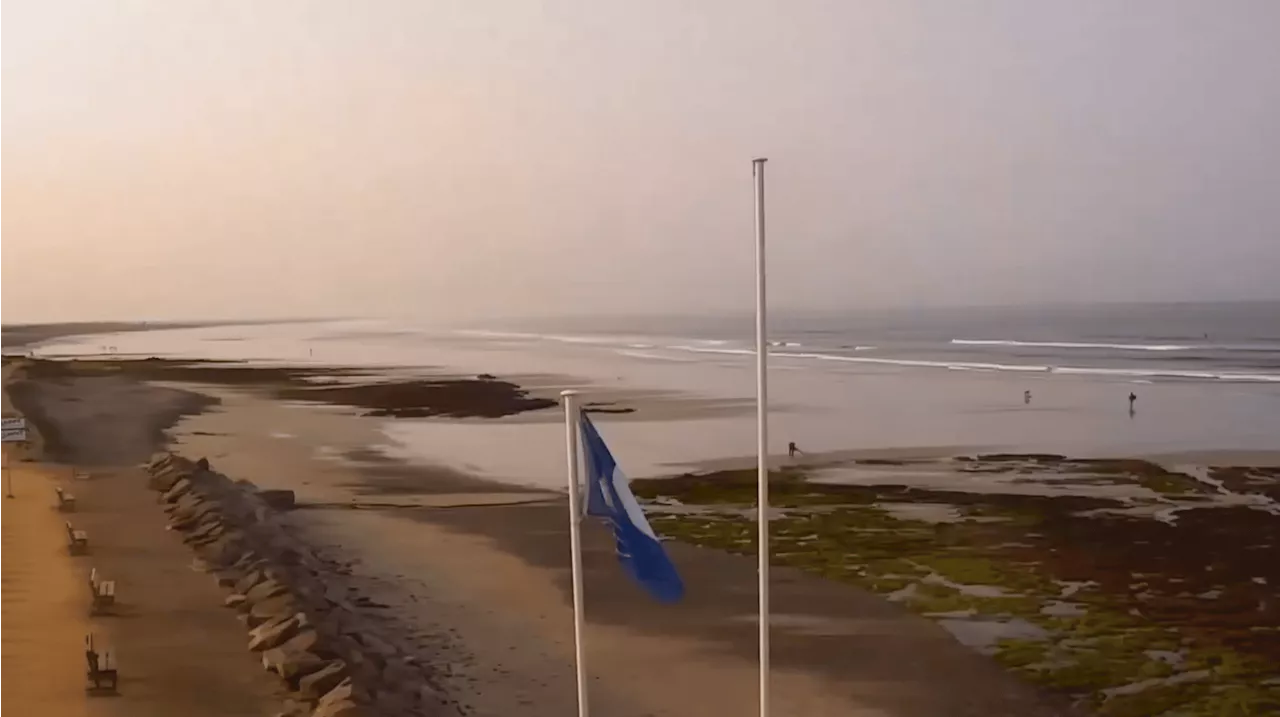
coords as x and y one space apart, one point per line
1026 397
792 450
1132 397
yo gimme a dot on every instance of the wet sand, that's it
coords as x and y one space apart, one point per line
487 590
476 572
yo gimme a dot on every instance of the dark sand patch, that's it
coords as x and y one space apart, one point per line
126 419
377 395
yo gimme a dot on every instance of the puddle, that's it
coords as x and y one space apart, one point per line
1071 587
1058 608
982 634
984 591
924 512
1134 688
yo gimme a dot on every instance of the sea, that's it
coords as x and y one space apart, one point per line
1205 377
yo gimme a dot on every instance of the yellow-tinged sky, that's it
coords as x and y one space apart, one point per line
452 158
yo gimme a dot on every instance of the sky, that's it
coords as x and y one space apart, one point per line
453 158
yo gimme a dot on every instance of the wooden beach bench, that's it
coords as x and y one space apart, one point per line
77 540
102 672
66 501
103 591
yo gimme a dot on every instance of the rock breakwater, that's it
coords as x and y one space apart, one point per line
301 617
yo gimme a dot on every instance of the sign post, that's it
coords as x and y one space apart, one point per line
14 431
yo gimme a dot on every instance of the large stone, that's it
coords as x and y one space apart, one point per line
376 649
319 683
263 590
224 549
209 528
278 499
341 708
276 631
206 537
185 505
233 600
180 488
248 581
163 478
185 521
344 690
269 609
292 659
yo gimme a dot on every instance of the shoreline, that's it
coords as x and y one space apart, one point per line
380 514
501 634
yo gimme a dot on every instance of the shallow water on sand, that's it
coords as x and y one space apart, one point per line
821 405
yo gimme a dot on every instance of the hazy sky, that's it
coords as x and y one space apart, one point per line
195 159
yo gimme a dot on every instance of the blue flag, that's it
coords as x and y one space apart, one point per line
609 496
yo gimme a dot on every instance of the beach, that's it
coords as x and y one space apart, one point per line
439 484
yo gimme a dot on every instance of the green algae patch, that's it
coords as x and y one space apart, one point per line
1141 618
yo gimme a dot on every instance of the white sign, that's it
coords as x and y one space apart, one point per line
15 430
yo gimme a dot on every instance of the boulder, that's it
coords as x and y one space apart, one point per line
223 549
163 479
209 528
276 631
344 690
185 505
269 609
340 708
180 488
207 536
278 499
185 520
266 589
376 649
292 659
322 681
233 600
252 578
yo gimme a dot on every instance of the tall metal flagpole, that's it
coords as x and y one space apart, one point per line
762 436
571 426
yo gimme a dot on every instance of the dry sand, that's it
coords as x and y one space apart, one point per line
178 650
45 599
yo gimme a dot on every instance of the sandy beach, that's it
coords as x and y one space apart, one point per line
177 649
471 573
481 590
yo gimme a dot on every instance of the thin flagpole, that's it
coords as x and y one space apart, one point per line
571 427
762 436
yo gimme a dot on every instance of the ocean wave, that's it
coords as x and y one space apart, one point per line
1002 367
655 348
1075 345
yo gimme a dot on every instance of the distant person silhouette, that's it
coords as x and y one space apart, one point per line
1132 398
1026 397
792 450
